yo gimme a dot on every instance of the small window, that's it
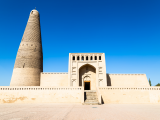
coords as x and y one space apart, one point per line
78 58
86 57
99 57
73 57
91 58
82 58
95 57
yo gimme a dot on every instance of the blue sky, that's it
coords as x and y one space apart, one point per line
127 31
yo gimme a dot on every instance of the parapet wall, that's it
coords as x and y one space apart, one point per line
130 94
41 94
54 79
127 80
33 94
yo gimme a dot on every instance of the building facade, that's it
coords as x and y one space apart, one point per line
88 70
86 81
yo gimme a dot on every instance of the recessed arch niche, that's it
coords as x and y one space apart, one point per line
87 73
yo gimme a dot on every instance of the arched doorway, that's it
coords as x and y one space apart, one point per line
87 77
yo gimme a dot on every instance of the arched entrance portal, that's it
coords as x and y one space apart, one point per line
87 77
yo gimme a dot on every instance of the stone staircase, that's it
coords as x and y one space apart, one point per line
90 97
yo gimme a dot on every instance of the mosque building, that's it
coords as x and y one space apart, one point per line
86 81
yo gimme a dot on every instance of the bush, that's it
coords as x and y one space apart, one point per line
158 84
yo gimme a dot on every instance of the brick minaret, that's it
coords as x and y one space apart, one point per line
29 60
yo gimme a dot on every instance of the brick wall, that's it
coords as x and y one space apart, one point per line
29 54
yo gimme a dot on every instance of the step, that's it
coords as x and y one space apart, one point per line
91 103
91 97
89 90
90 93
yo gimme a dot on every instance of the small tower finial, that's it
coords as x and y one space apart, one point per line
35 8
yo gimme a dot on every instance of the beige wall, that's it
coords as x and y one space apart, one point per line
127 80
114 80
130 95
25 77
41 94
54 79
76 94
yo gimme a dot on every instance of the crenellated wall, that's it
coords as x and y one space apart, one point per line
35 94
130 94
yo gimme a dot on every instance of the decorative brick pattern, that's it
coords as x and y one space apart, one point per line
29 54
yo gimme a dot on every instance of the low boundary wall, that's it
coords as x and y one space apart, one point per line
34 94
130 95
38 94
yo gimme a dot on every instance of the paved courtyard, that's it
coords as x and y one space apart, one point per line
52 111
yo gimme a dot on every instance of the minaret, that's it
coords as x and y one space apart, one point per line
29 60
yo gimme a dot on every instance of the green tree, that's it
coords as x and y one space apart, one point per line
158 84
150 82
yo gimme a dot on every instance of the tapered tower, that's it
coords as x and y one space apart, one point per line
29 60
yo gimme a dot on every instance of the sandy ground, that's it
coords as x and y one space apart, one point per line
52 111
